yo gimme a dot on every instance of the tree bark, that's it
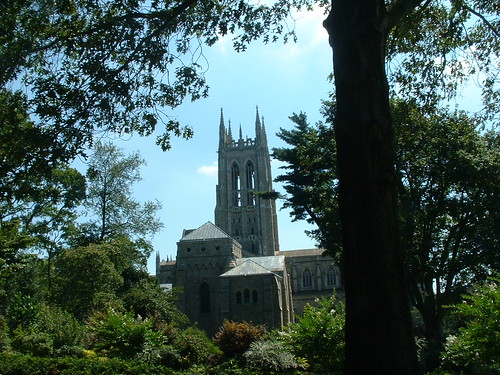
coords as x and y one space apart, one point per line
379 337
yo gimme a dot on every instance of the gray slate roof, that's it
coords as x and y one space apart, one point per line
257 266
206 232
302 252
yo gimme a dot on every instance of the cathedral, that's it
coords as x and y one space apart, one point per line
234 268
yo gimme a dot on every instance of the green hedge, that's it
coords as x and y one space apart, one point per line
22 364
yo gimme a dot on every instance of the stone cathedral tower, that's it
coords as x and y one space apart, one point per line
245 167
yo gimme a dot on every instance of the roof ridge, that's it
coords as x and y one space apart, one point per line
206 231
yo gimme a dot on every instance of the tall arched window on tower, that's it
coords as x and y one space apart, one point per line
250 181
235 184
204 298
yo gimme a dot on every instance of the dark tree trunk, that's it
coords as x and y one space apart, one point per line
379 337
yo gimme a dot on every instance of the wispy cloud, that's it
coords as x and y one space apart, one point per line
208 170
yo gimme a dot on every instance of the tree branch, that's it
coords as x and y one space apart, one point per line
400 8
480 16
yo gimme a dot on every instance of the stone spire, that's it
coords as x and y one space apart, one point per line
258 126
230 132
222 130
263 134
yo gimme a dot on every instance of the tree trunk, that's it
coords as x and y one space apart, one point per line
379 337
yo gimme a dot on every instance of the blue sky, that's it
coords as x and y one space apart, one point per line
280 80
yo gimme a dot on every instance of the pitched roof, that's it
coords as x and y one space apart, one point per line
205 232
302 252
257 266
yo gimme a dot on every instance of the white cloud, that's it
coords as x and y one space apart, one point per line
208 170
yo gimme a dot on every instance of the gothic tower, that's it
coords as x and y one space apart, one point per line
245 167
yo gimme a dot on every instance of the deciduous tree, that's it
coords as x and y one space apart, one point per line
114 213
447 184
95 65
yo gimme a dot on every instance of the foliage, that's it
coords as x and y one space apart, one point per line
86 279
111 65
40 329
448 189
158 349
4 334
114 213
234 338
311 181
474 348
147 299
449 207
22 311
319 336
38 192
19 364
441 45
273 357
116 334
61 326
194 347
30 341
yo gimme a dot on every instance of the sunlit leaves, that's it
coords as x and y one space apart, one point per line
113 212
311 181
443 45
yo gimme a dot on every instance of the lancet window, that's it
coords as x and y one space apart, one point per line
307 278
250 183
331 276
204 298
235 185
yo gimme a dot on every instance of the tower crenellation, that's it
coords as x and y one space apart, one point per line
244 169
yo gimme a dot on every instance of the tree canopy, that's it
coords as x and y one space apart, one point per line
118 66
448 189
114 213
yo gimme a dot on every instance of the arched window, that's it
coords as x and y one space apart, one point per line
235 184
255 296
246 296
204 298
307 278
331 277
238 297
250 183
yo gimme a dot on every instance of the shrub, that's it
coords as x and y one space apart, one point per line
474 348
20 364
60 325
195 347
31 342
4 334
271 356
116 334
158 349
178 349
319 336
234 338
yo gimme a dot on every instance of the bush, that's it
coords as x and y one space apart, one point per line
4 334
178 349
273 357
158 349
19 364
474 348
31 342
61 326
116 334
319 336
195 347
234 338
